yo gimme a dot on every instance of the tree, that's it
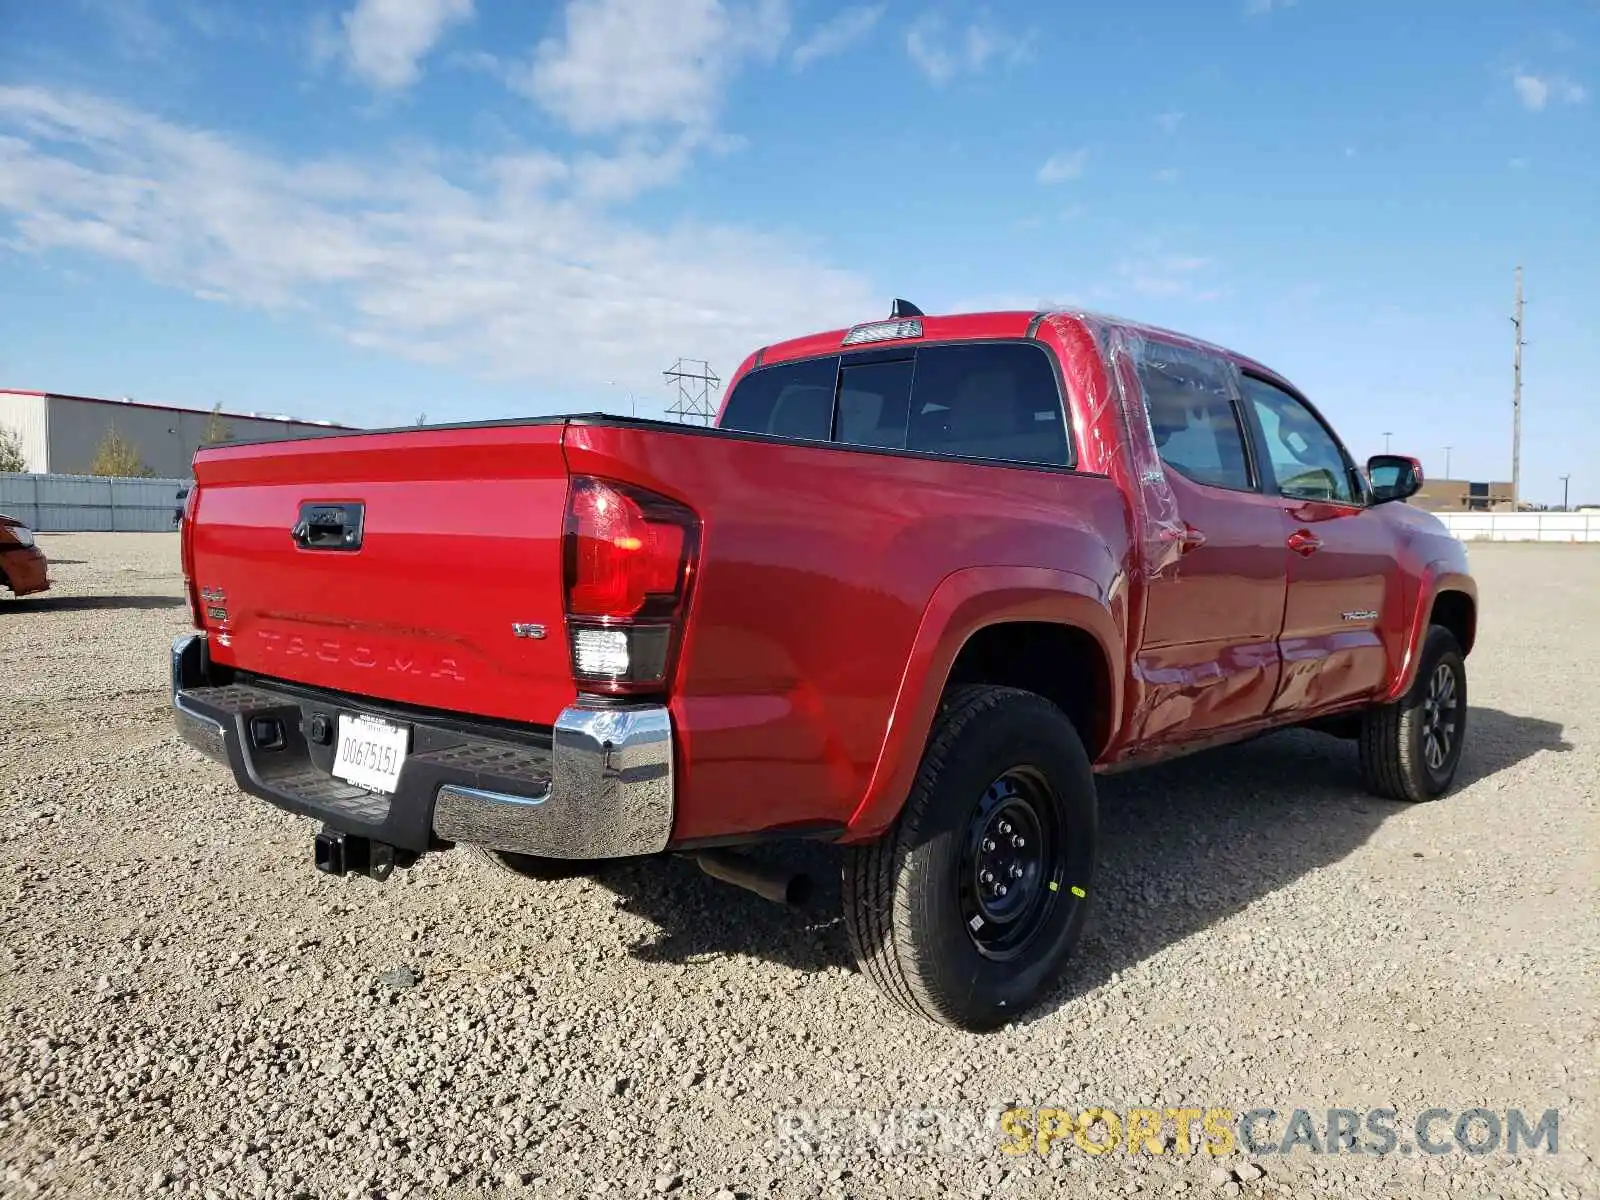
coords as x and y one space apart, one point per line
117 456
217 429
12 459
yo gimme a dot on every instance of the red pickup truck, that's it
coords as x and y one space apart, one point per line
924 578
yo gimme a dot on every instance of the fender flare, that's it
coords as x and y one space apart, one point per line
1441 575
965 602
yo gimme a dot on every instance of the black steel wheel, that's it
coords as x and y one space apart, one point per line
968 909
1009 870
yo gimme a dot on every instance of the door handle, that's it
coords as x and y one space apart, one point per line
1304 543
323 526
1190 539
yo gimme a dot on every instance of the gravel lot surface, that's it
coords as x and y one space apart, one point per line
187 1008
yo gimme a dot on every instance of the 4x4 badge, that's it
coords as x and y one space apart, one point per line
527 631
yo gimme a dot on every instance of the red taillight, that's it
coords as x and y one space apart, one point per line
629 558
621 560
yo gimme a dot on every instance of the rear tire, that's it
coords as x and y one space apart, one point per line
967 910
1410 749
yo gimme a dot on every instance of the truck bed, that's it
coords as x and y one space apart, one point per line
816 565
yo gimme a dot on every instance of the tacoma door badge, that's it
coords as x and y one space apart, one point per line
1361 614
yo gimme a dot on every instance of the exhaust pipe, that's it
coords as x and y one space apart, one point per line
778 884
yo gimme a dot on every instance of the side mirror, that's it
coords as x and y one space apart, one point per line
1394 477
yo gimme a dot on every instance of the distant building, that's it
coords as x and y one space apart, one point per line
62 434
1460 495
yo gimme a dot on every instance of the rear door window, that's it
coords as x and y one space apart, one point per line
793 400
988 400
1192 416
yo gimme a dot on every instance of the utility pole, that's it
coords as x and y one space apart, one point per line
1516 403
1447 450
1564 479
1386 436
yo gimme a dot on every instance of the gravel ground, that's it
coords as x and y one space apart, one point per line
187 1008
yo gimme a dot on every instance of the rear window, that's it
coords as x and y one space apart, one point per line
993 400
874 398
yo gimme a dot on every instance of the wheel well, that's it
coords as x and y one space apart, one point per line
1456 612
1062 663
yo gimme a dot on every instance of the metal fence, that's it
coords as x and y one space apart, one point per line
82 503
1523 526
75 503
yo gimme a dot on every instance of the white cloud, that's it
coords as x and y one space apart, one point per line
511 266
1536 91
135 30
639 165
1532 91
385 41
146 30
1153 272
942 52
1169 121
1017 302
622 64
839 34
1059 168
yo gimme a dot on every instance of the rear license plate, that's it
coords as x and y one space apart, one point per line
370 753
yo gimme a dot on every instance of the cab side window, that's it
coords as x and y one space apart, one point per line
1192 417
1307 461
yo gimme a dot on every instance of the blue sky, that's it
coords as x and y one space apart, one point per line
368 209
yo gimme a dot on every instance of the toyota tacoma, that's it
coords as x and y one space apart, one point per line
923 580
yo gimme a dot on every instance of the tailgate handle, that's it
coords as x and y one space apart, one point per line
324 526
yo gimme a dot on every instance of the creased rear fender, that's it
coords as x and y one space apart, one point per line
965 602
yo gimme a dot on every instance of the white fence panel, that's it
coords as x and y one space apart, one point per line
1524 526
89 503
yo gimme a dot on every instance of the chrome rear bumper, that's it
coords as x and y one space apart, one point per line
600 784
610 793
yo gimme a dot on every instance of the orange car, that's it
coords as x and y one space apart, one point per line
23 568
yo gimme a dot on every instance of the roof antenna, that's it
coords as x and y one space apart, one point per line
904 308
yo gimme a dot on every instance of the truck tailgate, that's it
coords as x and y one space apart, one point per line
439 600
